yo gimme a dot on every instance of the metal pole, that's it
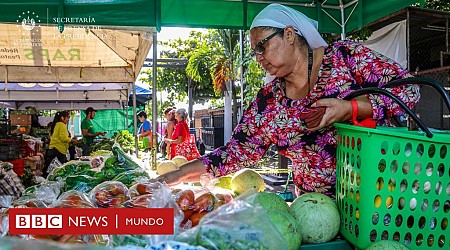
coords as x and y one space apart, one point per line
408 64
190 103
241 48
136 148
154 96
341 5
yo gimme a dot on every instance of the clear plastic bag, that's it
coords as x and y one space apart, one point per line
73 199
142 188
109 194
236 225
4 225
5 203
11 243
160 197
54 164
46 192
170 245
10 183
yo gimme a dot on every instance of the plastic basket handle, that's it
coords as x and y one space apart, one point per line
422 81
374 90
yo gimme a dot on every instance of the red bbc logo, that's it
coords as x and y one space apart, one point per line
38 221
49 221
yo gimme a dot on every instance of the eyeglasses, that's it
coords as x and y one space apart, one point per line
259 48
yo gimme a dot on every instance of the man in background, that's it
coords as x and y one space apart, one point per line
145 131
87 129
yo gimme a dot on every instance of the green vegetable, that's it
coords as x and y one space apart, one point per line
129 240
128 177
123 158
68 169
82 183
243 237
32 189
111 161
102 151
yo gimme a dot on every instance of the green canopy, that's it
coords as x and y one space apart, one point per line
334 16
123 13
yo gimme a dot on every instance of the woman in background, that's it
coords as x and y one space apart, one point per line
169 114
181 143
59 140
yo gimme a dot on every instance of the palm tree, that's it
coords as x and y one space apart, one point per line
225 68
220 53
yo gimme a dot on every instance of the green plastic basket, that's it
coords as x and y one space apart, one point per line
393 184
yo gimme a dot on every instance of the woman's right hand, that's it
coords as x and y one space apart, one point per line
189 172
74 141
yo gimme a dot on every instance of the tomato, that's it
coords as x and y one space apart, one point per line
204 202
185 199
196 217
187 214
142 189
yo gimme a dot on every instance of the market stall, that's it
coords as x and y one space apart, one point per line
65 56
233 212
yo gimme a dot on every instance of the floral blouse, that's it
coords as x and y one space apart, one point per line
273 118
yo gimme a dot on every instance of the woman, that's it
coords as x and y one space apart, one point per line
169 114
59 140
296 110
145 131
181 143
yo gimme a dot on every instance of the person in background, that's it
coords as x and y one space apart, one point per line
87 129
169 114
59 140
296 110
180 144
145 131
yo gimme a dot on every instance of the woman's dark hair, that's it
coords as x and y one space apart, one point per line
167 110
142 114
57 118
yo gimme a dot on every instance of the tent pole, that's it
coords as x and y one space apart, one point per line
154 99
242 53
342 7
136 148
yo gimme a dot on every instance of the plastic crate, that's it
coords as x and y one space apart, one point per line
18 166
393 184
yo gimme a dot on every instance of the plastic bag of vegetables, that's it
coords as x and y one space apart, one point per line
73 199
157 196
131 177
69 168
236 225
46 192
109 194
81 182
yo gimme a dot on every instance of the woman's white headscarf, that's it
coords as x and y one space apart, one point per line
279 16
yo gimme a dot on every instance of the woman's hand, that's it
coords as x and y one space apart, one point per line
334 110
188 172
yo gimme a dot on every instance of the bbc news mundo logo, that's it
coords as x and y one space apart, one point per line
39 221
48 221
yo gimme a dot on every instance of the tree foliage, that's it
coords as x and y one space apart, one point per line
443 5
174 81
